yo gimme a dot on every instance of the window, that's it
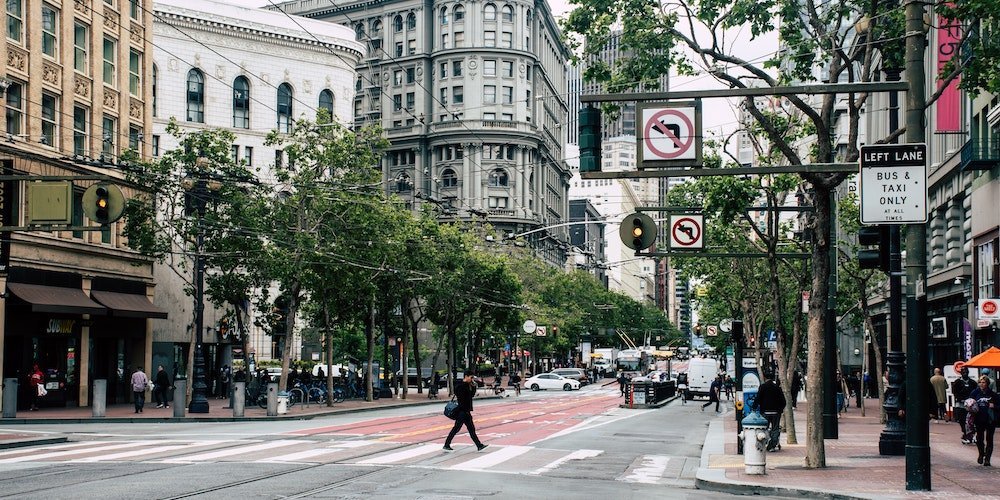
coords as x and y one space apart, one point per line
109 137
489 116
397 24
507 39
326 101
527 74
489 67
77 212
456 68
399 49
459 39
457 95
489 94
359 32
508 95
490 12
195 96
444 70
508 69
50 30
133 9
444 15
80 47
507 14
79 130
411 21
134 73
527 101
15 108
448 178
403 183
15 20
498 178
411 47
284 108
411 75
154 90
248 155
986 270
410 100
234 153
459 13
498 202
156 145
134 138
444 41
397 77
507 116
490 39
241 102
49 106
279 157
397 102
444 96
110 49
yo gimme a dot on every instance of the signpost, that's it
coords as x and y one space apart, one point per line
893 184
669 134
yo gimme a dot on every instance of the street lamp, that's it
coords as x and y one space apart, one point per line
199 188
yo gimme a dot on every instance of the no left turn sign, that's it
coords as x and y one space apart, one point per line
686 231
669 134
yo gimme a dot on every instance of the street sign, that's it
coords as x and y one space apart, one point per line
529 326
726 325
893 184
541 331
686 231
712 331
669 134
988 309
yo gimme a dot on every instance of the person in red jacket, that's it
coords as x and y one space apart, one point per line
34 380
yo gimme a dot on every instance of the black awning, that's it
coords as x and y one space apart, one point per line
56 299
128 305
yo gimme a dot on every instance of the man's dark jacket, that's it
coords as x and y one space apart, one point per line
463 393
770 399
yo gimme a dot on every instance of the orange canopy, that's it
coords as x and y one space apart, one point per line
987 359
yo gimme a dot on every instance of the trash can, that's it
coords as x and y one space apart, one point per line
754 438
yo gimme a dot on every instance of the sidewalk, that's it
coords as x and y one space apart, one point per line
854 467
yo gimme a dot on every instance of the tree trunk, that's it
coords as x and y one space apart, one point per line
815 450
286 354
370 341
415 348
329 353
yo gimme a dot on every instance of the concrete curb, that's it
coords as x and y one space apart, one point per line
39 441
716 480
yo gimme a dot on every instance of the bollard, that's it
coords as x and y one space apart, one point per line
239 400
180 397
755 438
10 398
272 399
99 403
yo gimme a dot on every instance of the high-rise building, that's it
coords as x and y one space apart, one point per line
473 99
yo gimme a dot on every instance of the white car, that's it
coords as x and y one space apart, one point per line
551 381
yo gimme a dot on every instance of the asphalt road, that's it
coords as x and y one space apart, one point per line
550 444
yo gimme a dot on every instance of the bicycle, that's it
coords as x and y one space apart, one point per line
351 391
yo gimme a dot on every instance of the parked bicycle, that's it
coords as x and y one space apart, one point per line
345 391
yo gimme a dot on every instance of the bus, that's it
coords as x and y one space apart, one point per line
633 362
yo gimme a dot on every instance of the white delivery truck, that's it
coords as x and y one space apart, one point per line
701 373
604 360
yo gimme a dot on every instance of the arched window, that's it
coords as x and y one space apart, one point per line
444 16
376 28
498 178
326 101
154 89
411 21
507 14
448 178
359 31
357 84
490 12
196 96
241 102
459 14
397 24
284 108
403 183
527 19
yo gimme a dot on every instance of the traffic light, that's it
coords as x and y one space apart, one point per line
638 231
590 139
697 330
874 258
103 203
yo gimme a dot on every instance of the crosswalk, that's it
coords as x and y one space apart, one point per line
527 460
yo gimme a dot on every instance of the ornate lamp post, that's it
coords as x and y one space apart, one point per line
199 189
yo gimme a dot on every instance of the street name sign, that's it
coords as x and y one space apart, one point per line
893 185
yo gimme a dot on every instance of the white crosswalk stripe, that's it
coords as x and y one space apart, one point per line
647 469
232 451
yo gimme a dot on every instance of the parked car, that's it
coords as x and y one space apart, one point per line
577 374
551 381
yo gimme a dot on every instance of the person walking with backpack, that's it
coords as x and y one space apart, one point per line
771 402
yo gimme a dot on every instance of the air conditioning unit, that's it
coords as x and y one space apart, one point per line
939 328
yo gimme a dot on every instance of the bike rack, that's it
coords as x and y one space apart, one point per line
304 397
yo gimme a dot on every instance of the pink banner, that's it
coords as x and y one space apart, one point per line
948 106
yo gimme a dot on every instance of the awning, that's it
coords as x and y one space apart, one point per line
128 305
56 299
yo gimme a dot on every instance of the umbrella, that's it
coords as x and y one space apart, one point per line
989 358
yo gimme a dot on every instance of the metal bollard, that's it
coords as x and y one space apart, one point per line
272 399
180 397
10 398
99 404
755 438
239 400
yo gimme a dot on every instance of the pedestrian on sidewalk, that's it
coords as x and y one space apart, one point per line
962 388
464 391
796 387
940 394
729 385
160 386
714 393
139 383
987 403
35 379
771 402
682 387
225 379
622 381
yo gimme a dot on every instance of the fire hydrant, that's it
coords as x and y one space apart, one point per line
754 438
282 402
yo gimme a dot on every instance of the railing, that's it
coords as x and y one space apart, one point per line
980 154
505 212
406 129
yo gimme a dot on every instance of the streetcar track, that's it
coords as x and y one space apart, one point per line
242 482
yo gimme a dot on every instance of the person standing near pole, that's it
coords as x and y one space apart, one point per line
962 388
464 391
940 386
771 402
160 386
